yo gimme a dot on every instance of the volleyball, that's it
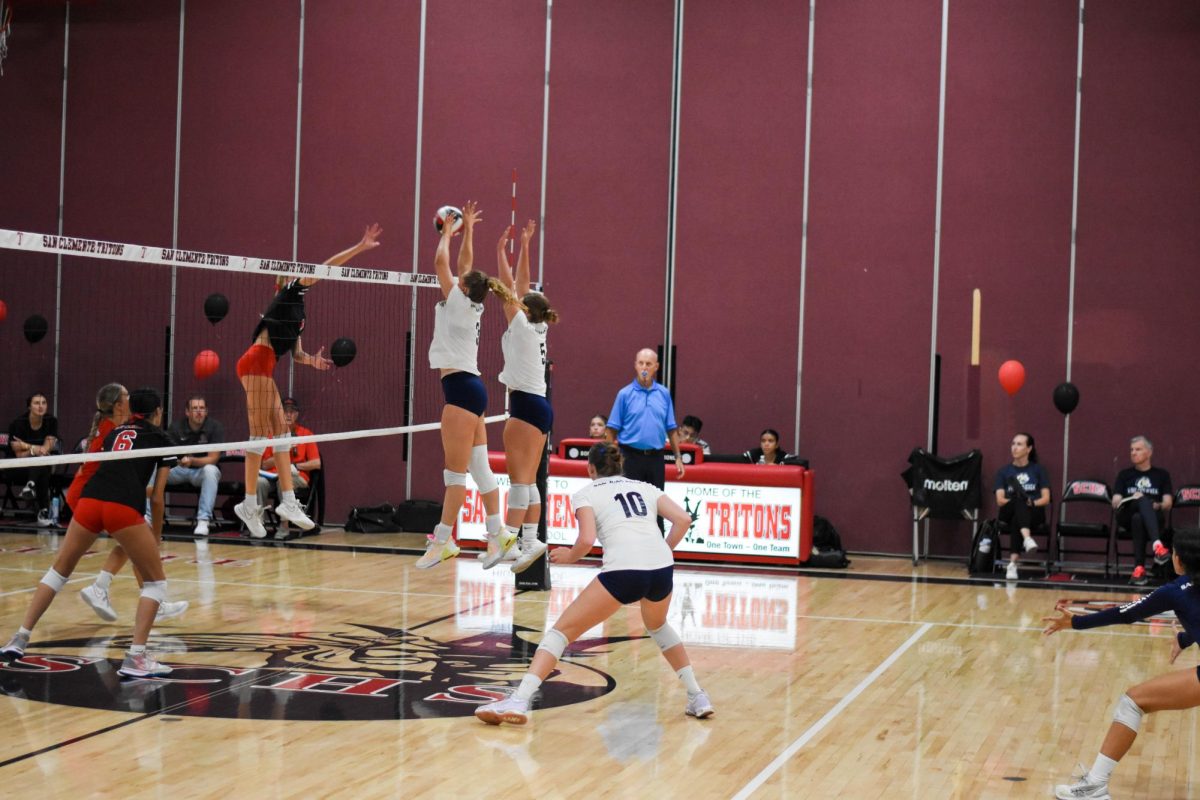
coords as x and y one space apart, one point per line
448 211
205 364
343 351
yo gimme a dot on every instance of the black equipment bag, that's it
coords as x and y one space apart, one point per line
373 519
827 546
418 516
948 487
982 560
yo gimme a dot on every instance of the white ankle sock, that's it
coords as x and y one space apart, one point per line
529 685
24 631
529 531
494 524
1103 768
137 649
104 580
287 497
442 532
251 502
689 680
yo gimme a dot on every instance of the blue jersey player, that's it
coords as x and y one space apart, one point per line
1170 692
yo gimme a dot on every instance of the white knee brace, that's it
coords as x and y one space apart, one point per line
518 496
554 643
1128 713
452 478
256 448
54 580
535 497
481 470
665 637
155 590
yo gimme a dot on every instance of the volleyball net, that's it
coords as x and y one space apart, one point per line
78 313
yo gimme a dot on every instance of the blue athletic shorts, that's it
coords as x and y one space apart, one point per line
465 390
630 585
531 408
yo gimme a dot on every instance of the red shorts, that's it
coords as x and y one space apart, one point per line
258 360
103 515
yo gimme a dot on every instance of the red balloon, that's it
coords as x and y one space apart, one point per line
3 311
1012 376
206 364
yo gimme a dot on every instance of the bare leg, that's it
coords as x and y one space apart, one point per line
265 414
654 616
593 605
458 431
142 547
76 542
1171 692
522 448
491 500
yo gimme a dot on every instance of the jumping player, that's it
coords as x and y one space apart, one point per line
278 333
638 566
454 352
114 500
525 431
1173 691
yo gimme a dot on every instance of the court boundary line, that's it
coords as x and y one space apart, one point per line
758 780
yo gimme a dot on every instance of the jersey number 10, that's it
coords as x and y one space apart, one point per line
632 504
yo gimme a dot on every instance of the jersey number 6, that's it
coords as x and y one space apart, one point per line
124 441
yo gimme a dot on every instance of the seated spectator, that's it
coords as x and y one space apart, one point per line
34 433
1142 495
305 458
597 426
689 433
199 469
768 450
1022 494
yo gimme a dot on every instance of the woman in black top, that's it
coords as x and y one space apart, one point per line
114 500
277 334
34 433
768 450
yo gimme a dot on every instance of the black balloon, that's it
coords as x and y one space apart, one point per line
343 351
216 306
36 328
1066 397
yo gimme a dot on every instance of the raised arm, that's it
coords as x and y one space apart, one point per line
504 272
441 261
523 259
466 253
370 240
318 361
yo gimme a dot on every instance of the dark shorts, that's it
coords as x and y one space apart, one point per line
531 408
630 585
258 360
103 515
465 390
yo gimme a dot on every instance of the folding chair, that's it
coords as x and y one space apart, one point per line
1072 537
942 488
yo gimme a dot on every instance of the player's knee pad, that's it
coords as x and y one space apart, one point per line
1128 713
518 496
452 478
554 643
481 470
155 590
535 497
665 637
257 449
54 580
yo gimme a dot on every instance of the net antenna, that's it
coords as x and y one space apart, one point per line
5 25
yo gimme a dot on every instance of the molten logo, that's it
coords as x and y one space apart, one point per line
946 485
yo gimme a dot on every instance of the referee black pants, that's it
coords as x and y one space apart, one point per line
648 466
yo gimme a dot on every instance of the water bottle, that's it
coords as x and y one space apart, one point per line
54 507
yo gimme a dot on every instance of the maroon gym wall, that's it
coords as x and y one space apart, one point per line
869 291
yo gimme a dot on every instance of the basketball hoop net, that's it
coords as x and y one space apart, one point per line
5 24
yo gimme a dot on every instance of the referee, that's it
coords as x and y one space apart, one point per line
642 418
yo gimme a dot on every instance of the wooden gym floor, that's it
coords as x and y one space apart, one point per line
318 669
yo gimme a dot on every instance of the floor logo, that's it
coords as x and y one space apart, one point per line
384 673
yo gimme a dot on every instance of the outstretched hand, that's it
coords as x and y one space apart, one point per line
505 235
1061 622
319 361
527 232
471 214
370 237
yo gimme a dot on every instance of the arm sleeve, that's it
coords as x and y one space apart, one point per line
999 482
1167 489
52 430
614 417
1156 602
581 500
670 413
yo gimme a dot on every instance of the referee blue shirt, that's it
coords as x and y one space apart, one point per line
643 417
